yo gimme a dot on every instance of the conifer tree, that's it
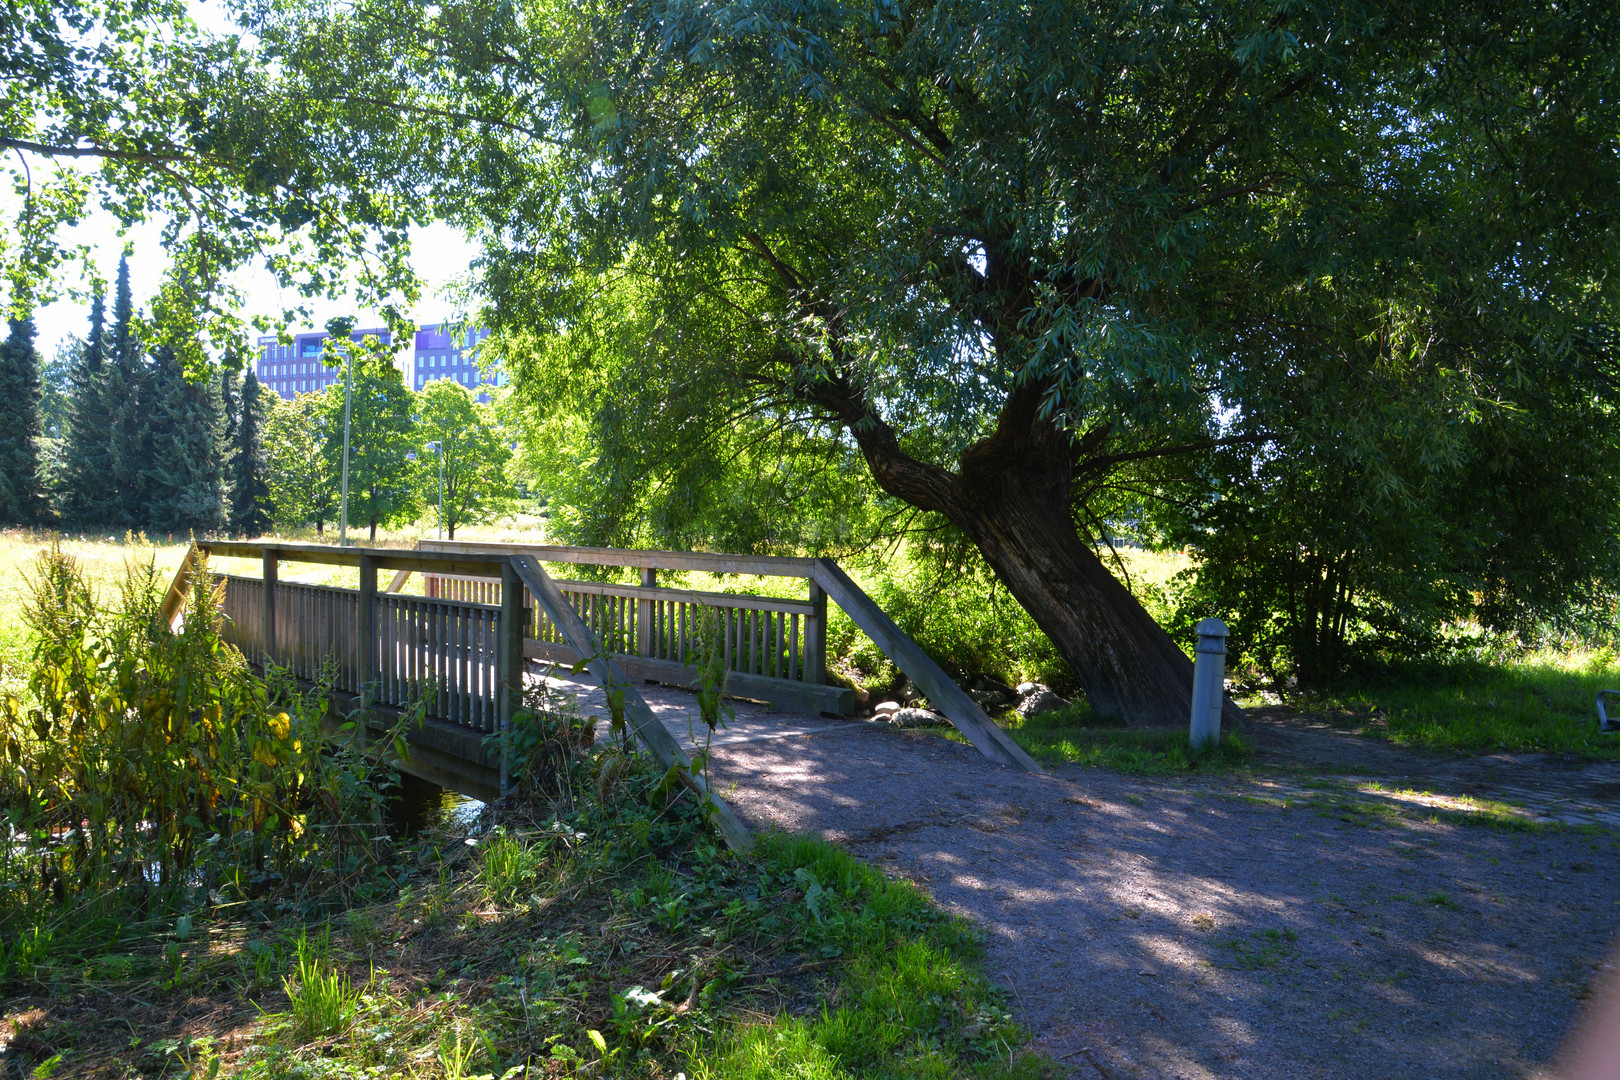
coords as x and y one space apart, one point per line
249 491
19 426
179 479
124 403
84 485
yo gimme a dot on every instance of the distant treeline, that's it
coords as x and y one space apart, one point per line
112 436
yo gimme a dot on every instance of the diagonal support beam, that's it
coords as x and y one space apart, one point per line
939 688
175 599
648 728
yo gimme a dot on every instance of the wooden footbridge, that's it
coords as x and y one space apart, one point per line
485 610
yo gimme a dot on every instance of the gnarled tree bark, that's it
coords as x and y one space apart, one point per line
1012 495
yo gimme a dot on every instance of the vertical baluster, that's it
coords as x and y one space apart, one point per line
682 610
778 652
793 646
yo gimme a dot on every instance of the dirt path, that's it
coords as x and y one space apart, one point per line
1210 927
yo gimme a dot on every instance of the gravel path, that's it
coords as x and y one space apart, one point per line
1210 927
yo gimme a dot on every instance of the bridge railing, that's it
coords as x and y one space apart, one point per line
399 641
470 656
773 648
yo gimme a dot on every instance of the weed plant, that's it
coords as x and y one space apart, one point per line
151 773
321 1000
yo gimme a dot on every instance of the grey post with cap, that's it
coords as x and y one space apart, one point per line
1209 684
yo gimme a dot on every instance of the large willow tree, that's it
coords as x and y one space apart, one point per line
1006 256
1003 258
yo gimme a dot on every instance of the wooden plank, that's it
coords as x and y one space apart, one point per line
707 561
509 659
908 656
174 601
399 580
784 694
815 636
270 564
470 563
644 611
365 630
648 728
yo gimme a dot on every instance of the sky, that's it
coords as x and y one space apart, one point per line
440 254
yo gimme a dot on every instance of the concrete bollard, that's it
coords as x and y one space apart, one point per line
1209 684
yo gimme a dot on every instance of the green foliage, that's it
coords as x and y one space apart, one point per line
1540 701
193 129
379 407
459 445
302 484
1323 565
21 490
936 245
956 610
83 474
909 1000
248 491
180 470
149 766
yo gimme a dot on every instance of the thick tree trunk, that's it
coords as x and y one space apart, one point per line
1012 496
1128 667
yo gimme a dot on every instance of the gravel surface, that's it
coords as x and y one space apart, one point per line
1208 927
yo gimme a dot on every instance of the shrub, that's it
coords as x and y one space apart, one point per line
149 764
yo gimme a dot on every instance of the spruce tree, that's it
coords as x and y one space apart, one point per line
179 478
249 489
84 484
125 403
19 426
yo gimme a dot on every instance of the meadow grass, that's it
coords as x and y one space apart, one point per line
1537 701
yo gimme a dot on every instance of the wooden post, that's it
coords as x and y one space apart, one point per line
509 659
268 629
644 614
815 637
942 693
365 638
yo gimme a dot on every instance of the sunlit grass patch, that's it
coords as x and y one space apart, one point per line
1070 735
1542 701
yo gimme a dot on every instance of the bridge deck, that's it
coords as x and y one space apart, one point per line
677 710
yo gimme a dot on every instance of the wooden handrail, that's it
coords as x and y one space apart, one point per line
707 561
467 562
179 585
939 688
748 601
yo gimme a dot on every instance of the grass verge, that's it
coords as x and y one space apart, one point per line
586 946
1541 702
1070 735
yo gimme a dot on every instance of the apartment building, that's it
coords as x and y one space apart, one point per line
296 368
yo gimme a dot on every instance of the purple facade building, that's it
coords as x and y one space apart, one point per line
296 369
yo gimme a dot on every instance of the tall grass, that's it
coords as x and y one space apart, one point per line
149 768
321 999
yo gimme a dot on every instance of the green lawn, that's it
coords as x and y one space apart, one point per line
1541 701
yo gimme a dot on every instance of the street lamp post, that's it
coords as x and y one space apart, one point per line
348 393
439 446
